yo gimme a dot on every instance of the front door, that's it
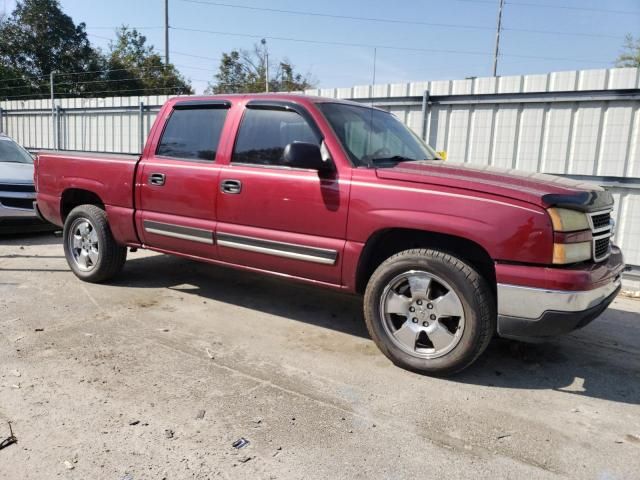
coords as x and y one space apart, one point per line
177 183
273 217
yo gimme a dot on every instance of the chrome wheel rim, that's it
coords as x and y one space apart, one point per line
83 244
422 314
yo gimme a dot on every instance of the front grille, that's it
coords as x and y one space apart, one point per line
601 247
26 203
16 187
601 228
601 220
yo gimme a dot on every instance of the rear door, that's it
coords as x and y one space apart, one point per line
177 183
274 217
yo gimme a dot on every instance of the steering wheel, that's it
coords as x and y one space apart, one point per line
381 152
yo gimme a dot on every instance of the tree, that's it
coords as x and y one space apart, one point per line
242 71
38 38
630 56
134 66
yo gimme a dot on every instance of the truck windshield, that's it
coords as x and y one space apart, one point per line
374 138
11 152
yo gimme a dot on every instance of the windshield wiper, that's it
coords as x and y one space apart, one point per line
386 160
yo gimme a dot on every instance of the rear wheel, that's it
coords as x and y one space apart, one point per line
429 311
90 249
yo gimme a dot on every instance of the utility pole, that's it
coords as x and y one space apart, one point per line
54 134
497 50
266 65
166 32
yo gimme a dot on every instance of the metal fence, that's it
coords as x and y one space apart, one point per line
580 124
106 125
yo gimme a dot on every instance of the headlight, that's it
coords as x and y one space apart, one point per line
565 220
564 253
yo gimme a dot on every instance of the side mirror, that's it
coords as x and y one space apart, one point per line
442 154
306 155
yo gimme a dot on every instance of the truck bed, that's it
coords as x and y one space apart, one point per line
109 176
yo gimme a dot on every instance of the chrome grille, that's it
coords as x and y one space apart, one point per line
601 228
601 220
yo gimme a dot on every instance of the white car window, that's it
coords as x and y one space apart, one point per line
11 152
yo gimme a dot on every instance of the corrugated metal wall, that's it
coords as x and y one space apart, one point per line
481 120
115 124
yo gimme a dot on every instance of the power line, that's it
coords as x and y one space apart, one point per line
328 15
385 47
558 32
76 83
555 5
126 90
24 77
152 27
91 72
108 70
396 21
89 94
570 7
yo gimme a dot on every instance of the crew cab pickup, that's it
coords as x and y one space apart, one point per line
341 195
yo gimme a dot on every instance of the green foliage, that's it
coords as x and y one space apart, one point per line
630 56
133 65
39 38
242 71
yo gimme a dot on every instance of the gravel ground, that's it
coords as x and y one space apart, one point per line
156 375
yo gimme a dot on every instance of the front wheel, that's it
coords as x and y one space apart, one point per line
429 311
90 249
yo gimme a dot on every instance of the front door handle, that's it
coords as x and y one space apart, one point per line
157 179
231 186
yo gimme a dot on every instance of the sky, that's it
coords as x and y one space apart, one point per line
420 39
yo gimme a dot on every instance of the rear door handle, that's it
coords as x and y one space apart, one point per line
157 179
231 186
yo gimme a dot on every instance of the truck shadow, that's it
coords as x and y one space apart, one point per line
305 303
30 239
600 361
577 364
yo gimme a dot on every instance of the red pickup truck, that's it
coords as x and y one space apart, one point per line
341 195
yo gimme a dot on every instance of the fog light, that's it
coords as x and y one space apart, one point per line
564 253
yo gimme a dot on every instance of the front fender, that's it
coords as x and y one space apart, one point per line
509 230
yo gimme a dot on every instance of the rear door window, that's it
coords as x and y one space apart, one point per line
192 134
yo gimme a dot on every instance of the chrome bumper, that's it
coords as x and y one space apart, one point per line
7 213
532 303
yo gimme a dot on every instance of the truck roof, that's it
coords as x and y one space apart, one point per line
287 97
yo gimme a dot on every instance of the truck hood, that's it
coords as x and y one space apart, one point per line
537 188
12 172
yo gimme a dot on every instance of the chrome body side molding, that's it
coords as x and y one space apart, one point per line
280 249
178 231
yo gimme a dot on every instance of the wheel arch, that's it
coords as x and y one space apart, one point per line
384 243
74 197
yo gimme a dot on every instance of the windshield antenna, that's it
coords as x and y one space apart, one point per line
373 84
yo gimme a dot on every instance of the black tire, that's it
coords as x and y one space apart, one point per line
476 299
111 256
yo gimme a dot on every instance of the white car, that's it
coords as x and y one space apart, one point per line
17 191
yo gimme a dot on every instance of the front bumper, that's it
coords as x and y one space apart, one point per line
9 213
18 220
525 311
555 322
16 202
